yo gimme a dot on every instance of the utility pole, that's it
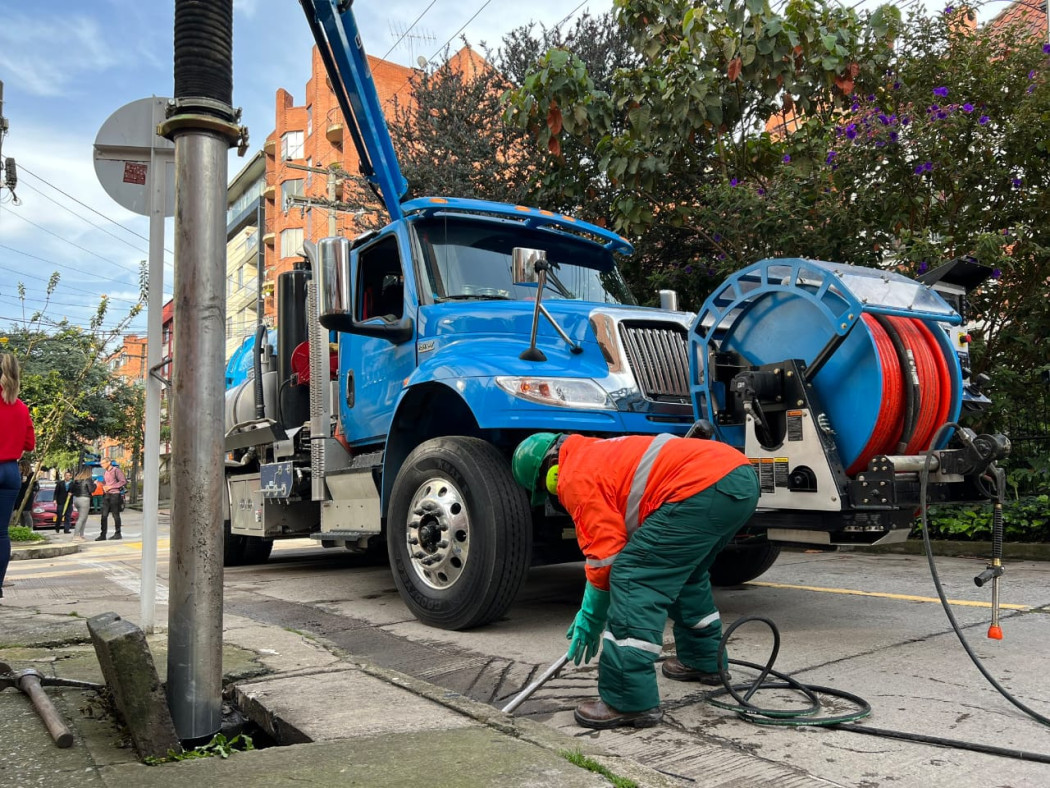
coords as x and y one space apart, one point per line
7 166
334 179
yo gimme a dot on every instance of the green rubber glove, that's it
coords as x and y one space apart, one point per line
586 631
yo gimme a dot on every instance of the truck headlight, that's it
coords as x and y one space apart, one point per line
38 510
563 392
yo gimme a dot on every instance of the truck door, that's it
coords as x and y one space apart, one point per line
373 368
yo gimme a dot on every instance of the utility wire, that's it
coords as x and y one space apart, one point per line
441 48
69 267
402 38
22 168
71 243
97 227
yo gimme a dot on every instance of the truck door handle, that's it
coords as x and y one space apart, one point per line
350 389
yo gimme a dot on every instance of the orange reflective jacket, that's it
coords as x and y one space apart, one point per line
596 479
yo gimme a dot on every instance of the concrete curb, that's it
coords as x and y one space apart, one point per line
36 550
520 728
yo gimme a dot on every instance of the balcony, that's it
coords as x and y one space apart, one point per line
270 193
268 239
270 147
334 129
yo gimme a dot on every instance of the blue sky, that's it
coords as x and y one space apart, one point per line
68 65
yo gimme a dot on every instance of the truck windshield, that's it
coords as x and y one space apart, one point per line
467 259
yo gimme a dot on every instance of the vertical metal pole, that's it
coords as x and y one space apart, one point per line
195 595
151 444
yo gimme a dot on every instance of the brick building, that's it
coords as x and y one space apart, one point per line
314 134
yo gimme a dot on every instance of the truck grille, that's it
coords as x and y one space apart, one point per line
658 355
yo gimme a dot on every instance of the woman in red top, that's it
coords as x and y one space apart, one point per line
16 438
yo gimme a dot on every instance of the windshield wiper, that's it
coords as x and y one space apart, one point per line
560 288
471 296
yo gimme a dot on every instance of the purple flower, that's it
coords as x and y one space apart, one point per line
851 131
1017 183
1046 49
689 269
717 237
722 256
967 107
996 273
880 143
761 191
905 121
896 85
871 97
933 108
927 166
893 136
710 271
942 115
831 156
983 119
787 158
1031 74
883 119
1030 89
918 169
923 266
855 107
734 182
948 9
941 91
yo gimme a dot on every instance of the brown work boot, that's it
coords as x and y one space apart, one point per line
674 669
598 714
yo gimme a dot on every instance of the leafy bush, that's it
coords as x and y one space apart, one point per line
19 533
1024 520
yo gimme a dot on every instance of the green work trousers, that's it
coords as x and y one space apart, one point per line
663 571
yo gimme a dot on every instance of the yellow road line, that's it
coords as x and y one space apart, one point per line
881 595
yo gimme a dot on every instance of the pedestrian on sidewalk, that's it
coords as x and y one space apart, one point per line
113 481
63 502
16 438
651 514
82 488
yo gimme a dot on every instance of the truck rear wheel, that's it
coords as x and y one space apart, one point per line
458 533
738 563
240 550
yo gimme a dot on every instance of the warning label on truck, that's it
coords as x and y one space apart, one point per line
794 425
772 472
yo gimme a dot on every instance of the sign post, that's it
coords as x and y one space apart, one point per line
136 168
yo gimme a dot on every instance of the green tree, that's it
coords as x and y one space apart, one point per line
66 384
913 142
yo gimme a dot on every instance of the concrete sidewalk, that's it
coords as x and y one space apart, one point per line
341 721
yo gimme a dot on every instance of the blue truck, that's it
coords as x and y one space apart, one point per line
410 361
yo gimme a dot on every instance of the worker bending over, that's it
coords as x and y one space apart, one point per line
651 514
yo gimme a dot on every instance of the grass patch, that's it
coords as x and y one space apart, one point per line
19 533
218 747
579 759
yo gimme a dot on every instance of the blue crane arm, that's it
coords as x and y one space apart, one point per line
339 42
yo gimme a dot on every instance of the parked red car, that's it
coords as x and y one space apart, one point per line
45 512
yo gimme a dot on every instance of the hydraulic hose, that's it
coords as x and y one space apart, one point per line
923 482
204 51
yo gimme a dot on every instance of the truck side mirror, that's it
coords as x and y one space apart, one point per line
523 265
335 292
335 296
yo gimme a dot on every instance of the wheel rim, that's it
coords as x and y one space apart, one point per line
437 533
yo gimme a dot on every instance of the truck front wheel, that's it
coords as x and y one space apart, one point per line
458 533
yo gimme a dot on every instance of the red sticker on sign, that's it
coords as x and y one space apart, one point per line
135 172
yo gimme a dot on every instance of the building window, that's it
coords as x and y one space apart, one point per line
291 241
292 145
292 188
309 174
309 120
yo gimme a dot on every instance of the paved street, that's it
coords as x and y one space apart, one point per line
869 625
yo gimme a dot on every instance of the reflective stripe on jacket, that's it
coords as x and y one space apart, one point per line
609 486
